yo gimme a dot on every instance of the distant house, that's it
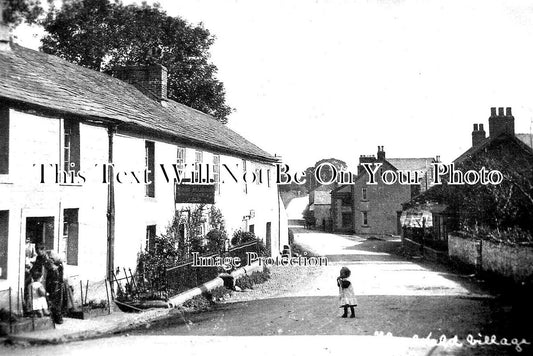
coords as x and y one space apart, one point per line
76 121
320 205
502 148
365 208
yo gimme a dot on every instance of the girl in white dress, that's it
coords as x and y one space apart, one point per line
346 294
39 306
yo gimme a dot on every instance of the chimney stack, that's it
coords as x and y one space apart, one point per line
381 153
478 135
5 37
503 123
364 159
151 80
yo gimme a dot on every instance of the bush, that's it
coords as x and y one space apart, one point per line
309 217
513 235
218 293
291 237
262 250
216 241
240 237
248 281
198 303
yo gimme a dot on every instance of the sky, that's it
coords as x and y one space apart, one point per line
314 79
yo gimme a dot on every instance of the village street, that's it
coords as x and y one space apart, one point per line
299 304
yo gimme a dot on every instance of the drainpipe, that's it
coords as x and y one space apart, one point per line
110 207
279 220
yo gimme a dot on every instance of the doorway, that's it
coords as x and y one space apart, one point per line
40 230
269 238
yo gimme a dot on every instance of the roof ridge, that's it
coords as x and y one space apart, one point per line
47 82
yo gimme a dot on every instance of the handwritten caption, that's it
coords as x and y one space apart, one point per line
483 340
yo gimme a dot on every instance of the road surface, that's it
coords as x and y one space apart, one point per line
298 306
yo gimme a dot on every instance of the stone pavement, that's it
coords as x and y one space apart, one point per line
118 321
77 329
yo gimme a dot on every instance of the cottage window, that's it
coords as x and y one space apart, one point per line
268 178
150 165
4 234
4 140
180 160
70 235
364 194
150 237
216 172
198 160
364 218
71 145
251 228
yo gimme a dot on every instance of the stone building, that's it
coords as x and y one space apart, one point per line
320 205
364 208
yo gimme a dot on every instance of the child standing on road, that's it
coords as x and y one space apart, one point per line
346 293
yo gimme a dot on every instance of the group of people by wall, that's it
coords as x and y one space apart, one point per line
44 290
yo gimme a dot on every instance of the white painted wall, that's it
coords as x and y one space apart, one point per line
38 139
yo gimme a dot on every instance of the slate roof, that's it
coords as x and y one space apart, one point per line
410 164
523 140
49 82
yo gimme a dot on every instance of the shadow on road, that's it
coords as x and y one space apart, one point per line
400 315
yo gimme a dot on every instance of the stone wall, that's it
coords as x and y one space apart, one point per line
515 262
464 250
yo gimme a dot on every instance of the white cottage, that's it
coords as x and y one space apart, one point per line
56 116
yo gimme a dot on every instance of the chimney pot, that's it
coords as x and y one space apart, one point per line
475 127
5 37
500 111
508 112
381 152
492 112
481 127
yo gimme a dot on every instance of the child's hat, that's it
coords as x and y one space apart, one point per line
345 272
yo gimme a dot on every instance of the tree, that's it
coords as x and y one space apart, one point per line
502 207
15 11
326 171
100 35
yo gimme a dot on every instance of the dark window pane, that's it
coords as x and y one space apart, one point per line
71 233
4 234
150 165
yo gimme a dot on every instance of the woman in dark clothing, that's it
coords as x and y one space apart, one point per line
54 287
52 269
